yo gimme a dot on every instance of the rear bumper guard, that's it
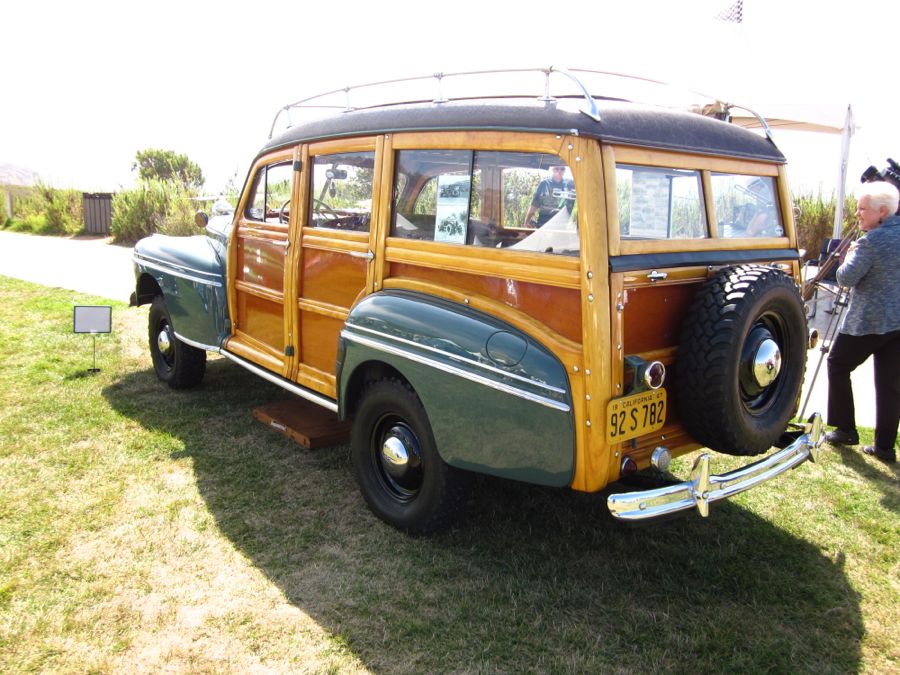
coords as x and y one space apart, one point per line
702 489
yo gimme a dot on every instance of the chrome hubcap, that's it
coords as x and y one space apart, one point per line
394 456
766 363
398 460
762 360
164 342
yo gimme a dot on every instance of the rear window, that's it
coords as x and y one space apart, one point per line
746 206
660 203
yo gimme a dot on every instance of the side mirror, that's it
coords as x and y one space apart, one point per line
201 219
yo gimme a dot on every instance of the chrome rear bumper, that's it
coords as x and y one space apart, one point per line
703 489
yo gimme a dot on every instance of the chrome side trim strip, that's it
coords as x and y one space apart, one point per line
702 489
297 390
459 372
463 359
162 266
198 345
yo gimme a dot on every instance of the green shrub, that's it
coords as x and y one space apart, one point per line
34 223
815 220
155 206
48 210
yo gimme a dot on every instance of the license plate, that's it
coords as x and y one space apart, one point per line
632 416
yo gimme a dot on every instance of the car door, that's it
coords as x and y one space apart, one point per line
333 267
257 270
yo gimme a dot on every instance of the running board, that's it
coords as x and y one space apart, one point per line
295 389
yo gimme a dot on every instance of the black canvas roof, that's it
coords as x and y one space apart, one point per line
620 122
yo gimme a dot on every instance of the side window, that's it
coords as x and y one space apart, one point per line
520 188
342 187
659 203
430 206
270 200
746 206
256 205
516 200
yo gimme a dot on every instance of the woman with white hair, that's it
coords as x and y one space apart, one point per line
871 326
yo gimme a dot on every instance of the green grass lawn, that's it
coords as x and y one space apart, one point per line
146 530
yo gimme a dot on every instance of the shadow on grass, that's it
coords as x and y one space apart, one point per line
534 580
853 458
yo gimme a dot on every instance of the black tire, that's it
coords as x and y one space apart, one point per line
420 495
179 365
735 321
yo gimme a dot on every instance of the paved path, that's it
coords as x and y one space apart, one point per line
84 264
92 265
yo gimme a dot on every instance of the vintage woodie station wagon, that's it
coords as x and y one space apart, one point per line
560 290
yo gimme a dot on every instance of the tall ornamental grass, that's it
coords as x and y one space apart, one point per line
47 210
154 206
814 216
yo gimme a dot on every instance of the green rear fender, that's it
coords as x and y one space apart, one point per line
497 400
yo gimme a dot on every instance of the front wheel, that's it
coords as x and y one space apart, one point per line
399 471
179 365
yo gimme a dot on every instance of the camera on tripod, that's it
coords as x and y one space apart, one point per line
890 174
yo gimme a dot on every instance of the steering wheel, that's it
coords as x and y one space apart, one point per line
284 215
322 207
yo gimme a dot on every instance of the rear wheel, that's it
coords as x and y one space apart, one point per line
399 471
741 360
179 365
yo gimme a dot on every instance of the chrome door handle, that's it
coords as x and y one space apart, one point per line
368 255
658 276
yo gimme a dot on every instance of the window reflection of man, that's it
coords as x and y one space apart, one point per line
552 194
764 222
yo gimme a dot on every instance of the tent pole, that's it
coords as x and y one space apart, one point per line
846 133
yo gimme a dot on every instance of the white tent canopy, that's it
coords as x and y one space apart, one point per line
817 118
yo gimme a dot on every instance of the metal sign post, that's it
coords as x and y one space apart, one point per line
92 319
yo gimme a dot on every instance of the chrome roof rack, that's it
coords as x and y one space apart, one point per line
589 108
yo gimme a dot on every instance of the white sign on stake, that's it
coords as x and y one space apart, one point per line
92 319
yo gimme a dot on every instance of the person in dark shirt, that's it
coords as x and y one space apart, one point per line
552 194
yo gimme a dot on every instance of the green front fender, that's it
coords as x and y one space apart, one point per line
190 274
497 400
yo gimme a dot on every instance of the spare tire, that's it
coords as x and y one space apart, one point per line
741 360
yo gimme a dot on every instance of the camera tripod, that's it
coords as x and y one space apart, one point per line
841 298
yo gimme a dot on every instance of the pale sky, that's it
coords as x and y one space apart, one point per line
86 85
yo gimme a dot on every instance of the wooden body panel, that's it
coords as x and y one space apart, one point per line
653 315
263 319
261 261
557 308
332 278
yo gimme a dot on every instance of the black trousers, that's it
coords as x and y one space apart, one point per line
847 353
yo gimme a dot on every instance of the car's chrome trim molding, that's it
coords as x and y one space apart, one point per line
194 343
462 359
702 489
295 389
458 372
177 271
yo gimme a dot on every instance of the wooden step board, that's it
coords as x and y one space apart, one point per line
306 423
